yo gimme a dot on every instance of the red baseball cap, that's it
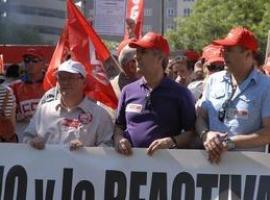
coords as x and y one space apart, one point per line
192 55
212 53
239 36
33 52
152 40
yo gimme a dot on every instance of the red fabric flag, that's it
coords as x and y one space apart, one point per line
134 18
85 46
2 68
57 58
134 23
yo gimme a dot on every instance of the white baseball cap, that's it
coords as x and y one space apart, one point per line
73 67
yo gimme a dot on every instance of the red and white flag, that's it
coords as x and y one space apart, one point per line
2 69
134 23
80 40
135 12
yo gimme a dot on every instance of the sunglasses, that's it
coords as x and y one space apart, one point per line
68 78
148 104
222 110
215 68
31 59
180 58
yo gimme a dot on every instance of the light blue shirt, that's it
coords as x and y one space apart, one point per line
246 109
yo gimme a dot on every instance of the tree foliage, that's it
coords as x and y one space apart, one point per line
212 19
12 33
111 45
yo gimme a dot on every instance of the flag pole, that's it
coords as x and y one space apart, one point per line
267 47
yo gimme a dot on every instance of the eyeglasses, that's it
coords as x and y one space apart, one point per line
215 68
222 110
68 78
31 59
180 58
148 104
142 50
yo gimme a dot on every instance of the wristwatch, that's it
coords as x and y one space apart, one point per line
203 133
229 144
174 146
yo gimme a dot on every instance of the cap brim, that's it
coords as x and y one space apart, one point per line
215 59
139 44
225 42
72 72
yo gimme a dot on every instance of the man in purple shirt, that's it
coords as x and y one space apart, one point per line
153 112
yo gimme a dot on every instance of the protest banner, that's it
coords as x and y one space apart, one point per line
110 17
101 173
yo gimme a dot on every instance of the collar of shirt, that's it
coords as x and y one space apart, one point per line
164 83
253 76
82 105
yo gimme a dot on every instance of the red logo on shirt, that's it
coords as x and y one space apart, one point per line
74 123
85 118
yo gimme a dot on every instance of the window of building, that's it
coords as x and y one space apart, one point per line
170 12
187 11
148 12
147 27
38 11
48 29
170 26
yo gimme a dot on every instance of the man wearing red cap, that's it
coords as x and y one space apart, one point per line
29 90
235 111
154 112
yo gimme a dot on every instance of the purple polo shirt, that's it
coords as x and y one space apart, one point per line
146 116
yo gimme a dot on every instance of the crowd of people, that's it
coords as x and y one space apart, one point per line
217 102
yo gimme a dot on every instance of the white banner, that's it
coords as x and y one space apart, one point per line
101 173
110 17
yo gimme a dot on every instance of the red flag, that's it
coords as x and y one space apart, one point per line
134 18
57 58
134 23
2 69
85 46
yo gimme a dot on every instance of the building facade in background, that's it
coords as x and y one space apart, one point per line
45 16
169 9
159 15
48 16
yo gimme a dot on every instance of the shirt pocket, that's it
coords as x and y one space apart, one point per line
217 98
247 104
245 111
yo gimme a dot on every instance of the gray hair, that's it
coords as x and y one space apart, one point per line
126 55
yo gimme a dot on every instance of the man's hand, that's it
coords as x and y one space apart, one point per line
75 145
214 146
122 145
163 143
38 143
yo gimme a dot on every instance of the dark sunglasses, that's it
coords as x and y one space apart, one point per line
215 68
222 110
30 59
148 104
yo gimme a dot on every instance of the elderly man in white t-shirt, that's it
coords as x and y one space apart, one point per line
73 119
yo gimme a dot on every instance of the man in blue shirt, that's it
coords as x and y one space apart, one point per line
234 111
153 112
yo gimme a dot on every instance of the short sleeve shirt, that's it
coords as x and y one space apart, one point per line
86 122
246 108
146 115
